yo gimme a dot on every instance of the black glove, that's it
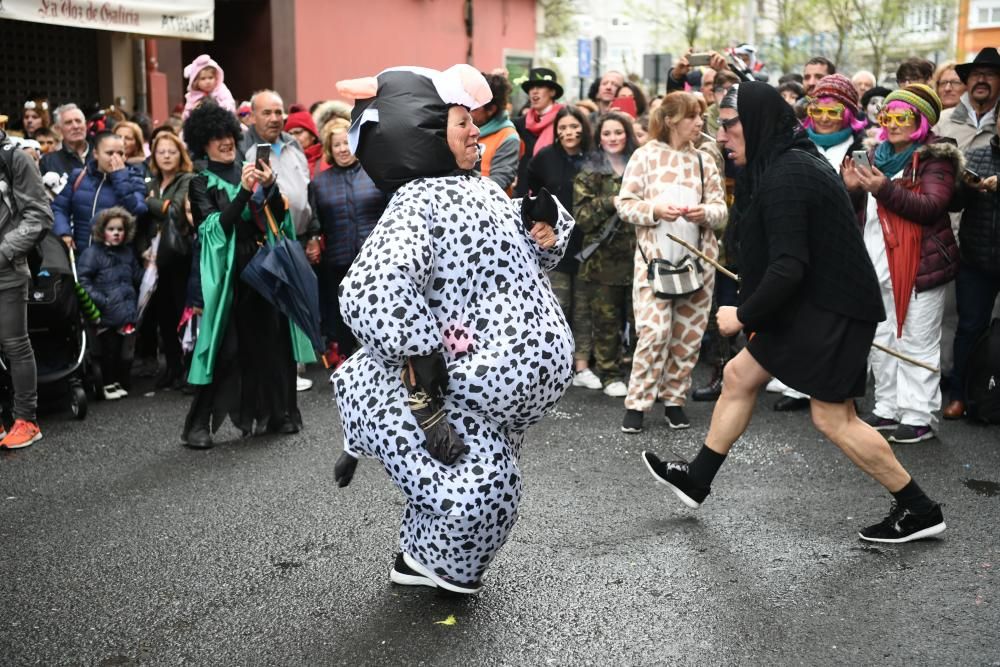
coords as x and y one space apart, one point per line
440 439
430 374
542 208
343 471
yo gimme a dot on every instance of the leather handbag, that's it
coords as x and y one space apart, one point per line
671 280
175 241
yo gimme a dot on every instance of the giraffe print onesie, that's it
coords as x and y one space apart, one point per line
669 330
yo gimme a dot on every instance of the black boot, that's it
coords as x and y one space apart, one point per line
712 390
197 432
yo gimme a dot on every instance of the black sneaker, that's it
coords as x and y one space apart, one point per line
676 417
404 575
880 423
675 475
464 588
906 434
902 525
632 422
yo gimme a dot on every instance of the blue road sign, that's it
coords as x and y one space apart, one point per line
584 54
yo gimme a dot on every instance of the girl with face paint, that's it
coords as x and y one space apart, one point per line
109 271
554 169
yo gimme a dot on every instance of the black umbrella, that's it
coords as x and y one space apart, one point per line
281 274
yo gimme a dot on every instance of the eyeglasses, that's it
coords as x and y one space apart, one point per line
984 74
729 123
897 118
816 112
949 83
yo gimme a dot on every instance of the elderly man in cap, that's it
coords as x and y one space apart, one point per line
971 123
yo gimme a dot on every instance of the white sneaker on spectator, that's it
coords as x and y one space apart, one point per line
586 378
303 384
616 389
110 392
776 386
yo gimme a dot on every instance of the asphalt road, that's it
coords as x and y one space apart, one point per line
120 547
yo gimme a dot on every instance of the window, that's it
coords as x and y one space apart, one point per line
984 14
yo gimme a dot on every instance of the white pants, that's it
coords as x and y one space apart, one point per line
906 392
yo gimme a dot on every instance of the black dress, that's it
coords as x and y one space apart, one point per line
253 379
808 294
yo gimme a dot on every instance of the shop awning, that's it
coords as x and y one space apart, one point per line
183 19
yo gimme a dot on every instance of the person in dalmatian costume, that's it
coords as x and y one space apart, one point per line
451 285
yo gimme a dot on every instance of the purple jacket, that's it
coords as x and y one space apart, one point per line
939 166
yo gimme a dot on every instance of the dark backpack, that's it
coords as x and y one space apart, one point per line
982 384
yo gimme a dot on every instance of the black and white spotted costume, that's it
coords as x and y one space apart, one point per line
450 266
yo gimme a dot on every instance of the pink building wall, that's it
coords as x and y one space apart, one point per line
339 40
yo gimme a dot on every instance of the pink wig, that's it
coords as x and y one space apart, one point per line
923 127
848 120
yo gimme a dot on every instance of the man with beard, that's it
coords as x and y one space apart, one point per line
815 69
971 123
809 298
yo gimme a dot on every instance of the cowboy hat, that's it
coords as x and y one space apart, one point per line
542 76
988 57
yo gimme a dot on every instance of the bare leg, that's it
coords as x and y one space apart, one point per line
741 380
866 448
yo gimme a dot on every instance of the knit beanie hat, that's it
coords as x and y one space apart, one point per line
921 97
301 119
840 88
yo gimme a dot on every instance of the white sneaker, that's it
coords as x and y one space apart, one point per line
303 384
616 389
776 386
586 378
110 392
121 390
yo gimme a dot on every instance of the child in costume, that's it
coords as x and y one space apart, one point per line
110 273
206 79
451 287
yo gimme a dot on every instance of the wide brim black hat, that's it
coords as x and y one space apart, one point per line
542 76
988 57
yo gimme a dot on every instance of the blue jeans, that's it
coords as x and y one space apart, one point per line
16 347
975 292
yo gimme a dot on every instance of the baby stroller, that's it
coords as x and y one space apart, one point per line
57 334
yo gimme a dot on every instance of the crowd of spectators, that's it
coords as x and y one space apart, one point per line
631 167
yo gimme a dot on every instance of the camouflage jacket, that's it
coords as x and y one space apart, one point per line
594 190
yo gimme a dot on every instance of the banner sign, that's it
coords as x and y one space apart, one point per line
183 19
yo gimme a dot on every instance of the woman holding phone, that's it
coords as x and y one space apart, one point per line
902 201
244 360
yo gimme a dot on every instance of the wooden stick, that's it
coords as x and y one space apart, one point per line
899 355
882 348
719 267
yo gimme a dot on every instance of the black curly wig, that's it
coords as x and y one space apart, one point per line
209 121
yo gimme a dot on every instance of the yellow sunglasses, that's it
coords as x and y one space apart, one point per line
817 112
897 118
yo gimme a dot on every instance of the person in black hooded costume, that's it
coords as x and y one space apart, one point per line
809 299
